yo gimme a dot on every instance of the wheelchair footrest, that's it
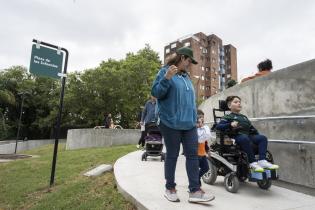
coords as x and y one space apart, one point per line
272 174
267 174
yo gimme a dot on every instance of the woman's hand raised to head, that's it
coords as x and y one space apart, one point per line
172 70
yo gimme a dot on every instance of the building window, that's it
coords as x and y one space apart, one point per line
212 79
202 78
187 44
213 69
213 42
228 76
204 50
213 52
173 45
207 69
202 68
167 50
213 60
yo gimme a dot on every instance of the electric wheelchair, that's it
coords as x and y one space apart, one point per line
225 158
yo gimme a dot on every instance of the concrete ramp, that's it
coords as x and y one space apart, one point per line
142 182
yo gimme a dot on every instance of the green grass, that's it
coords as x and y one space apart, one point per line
24 184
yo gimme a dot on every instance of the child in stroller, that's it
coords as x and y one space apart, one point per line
153 142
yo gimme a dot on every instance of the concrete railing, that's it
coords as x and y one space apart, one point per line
281 106
86 138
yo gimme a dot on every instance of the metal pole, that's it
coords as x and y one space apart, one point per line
57 130
19 124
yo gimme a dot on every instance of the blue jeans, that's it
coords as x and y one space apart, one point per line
245 142
172 140
204 167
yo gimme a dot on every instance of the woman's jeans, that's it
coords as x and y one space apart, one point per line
245 141
189 140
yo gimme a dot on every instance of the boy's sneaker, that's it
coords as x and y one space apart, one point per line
171 195
138 146
200 196
266 164
256 167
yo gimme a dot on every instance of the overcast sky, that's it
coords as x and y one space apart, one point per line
95 30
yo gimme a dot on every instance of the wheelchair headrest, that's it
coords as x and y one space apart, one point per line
223 105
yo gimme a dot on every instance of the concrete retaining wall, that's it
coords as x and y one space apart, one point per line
8 147
86 138
286 92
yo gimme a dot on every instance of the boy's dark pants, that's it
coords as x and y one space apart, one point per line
245 142
203 166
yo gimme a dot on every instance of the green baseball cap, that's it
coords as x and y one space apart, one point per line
187 51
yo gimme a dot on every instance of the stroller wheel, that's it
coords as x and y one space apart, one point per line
211 176
162 156
144 157
231 182
264 184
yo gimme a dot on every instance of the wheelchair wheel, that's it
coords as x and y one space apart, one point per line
264 184
231 182
211 176
269 157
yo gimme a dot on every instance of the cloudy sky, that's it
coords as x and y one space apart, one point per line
95 30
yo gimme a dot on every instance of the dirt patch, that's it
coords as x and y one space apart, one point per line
13 156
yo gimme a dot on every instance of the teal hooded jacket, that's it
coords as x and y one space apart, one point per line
176 106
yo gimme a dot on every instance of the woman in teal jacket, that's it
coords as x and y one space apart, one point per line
177 117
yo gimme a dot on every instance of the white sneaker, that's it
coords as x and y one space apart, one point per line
256 167
171 195
138 146
266 164
200 196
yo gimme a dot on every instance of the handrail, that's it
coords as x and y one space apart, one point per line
276 118
285 141
282 117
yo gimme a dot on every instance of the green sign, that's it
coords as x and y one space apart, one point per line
46 62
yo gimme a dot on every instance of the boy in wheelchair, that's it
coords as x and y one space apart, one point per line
244 133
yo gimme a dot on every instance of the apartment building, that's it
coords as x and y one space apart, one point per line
217 63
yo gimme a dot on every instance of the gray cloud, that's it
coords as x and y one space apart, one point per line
96 30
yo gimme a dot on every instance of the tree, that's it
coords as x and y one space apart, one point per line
231 83
116 87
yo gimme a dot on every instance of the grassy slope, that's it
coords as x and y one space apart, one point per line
24 183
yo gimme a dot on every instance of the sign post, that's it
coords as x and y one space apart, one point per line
47 60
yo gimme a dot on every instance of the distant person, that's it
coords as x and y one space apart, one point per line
108 120
177 118
264 68
148 115
112 125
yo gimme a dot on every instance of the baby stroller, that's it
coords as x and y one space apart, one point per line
226 158
153 142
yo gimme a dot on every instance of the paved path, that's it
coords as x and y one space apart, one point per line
142 182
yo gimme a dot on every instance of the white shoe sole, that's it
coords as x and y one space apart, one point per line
198 200
171 200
